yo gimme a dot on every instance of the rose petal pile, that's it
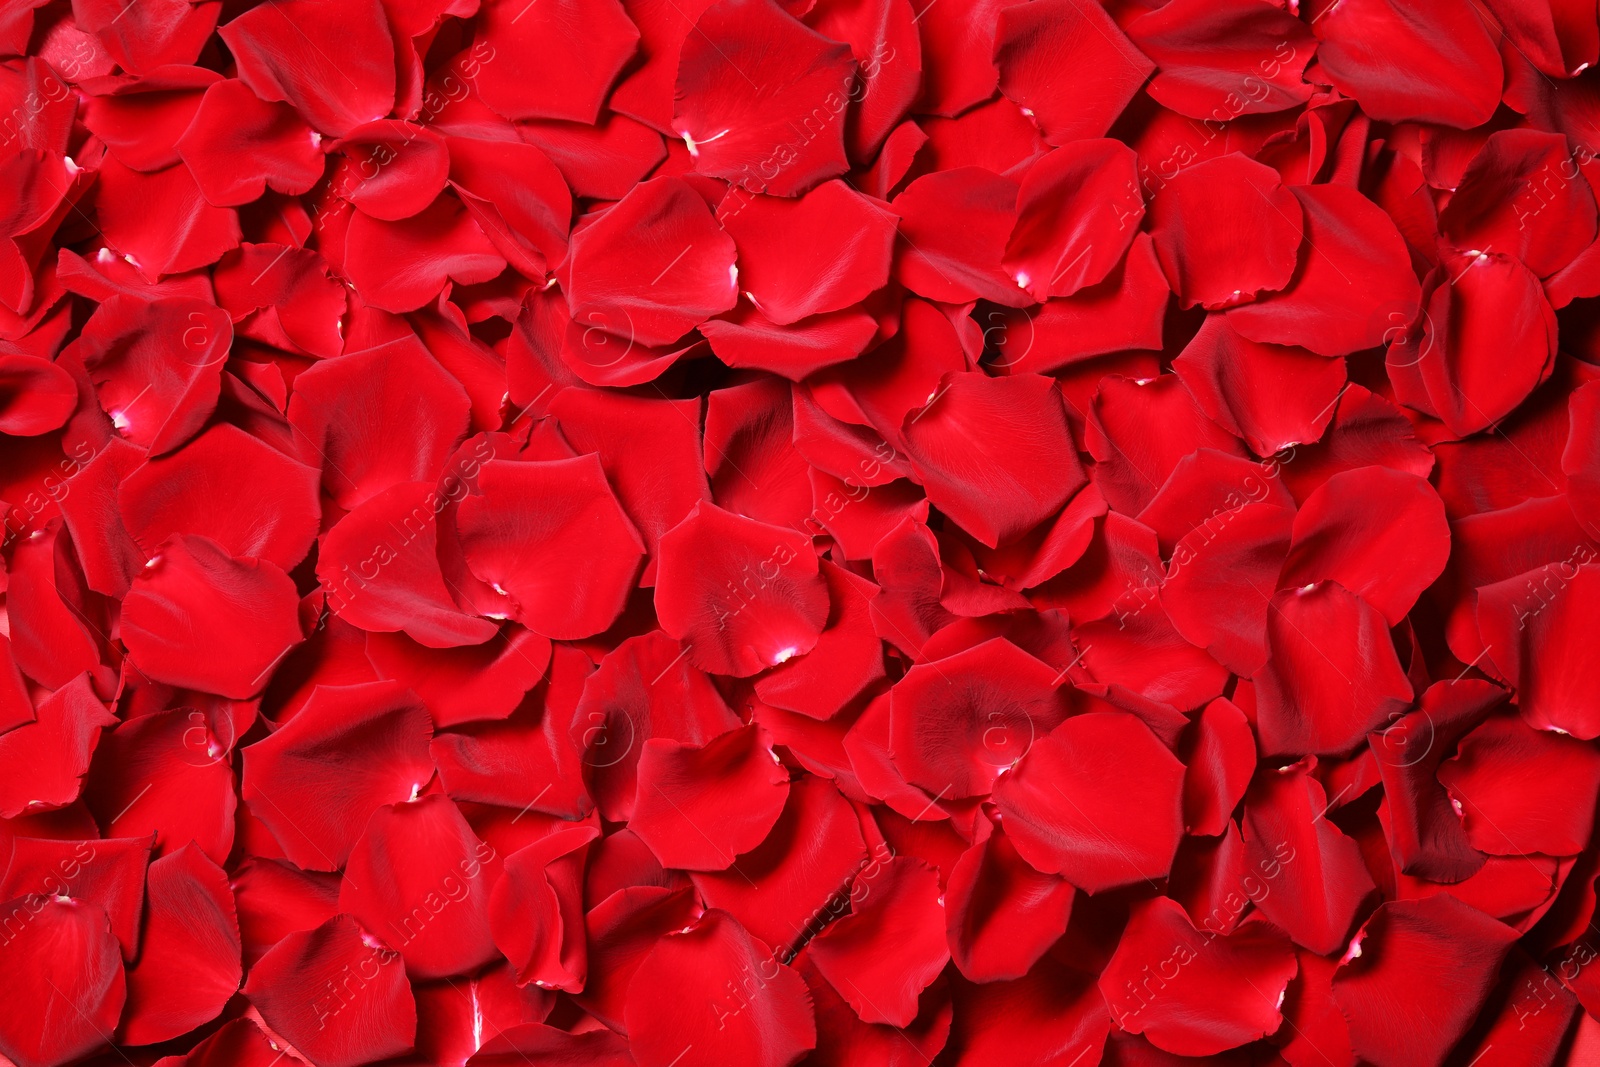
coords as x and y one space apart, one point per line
747 533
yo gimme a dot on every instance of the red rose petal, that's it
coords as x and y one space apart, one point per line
416 881
749 76
340 999
1435 944
742 595
189 964
1001 915
891 946
1225 230
1073 791
1207 993
347 752
67 944
279 59
699 806
684 275
1037 46
764 1019
246 609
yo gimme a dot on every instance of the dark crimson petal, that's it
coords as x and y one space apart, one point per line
1273 396
400 266
416 881
959 722
1077 212
1438 957
36 396
341 999
1225 230
731 1002
464 684
1069 65
1354 287
554 60
743 595
376 418
346 753
1487 337
552 538
189 959
379 566
1379 533
1220 754
48 757
824 251
244 614
280 59
954 225
391 169
1220 581
699 806
801 877
156 366
536 910
995 454
847 659
519 1045
1315 876
651 268
1190 991
1412 59
1221 60
1001 915
61 985
1520 790
238 144
1051 1016
166 774
229 487
1332 673
891 946
106 875
161 221
761 98
1099 778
